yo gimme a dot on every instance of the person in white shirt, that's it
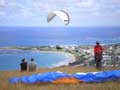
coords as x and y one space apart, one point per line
32 65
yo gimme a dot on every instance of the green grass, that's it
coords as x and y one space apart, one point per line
5 85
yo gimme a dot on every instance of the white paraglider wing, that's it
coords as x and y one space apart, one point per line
61 14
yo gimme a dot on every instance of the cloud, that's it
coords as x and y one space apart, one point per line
81 6
12 8
86 3
2 3
47 6
2 13
34 9
25 12
77 6
41 7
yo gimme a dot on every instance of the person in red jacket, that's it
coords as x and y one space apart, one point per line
98 50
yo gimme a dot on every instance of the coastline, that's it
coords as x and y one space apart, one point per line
72 57
77 55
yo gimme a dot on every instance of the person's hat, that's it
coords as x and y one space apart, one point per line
97 42
32 59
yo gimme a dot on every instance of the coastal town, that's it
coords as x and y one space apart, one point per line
84 54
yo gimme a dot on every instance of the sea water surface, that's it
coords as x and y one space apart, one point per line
44 36
12 59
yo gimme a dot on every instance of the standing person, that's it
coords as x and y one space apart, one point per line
23 65
32 65
98 50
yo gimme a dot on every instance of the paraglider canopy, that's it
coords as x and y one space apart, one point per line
61 14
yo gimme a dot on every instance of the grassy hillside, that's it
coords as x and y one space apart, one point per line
5 85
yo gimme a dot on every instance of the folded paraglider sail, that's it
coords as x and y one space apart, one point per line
59 77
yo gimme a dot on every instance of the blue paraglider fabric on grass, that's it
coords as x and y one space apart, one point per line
99 76
49 77
35 78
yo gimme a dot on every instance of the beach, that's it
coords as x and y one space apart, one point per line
72 58
44 59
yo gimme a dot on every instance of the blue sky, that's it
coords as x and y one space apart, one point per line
82 12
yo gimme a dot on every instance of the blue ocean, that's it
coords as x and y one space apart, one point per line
12 60
45 36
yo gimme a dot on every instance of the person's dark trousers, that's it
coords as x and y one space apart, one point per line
98 64
98 58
